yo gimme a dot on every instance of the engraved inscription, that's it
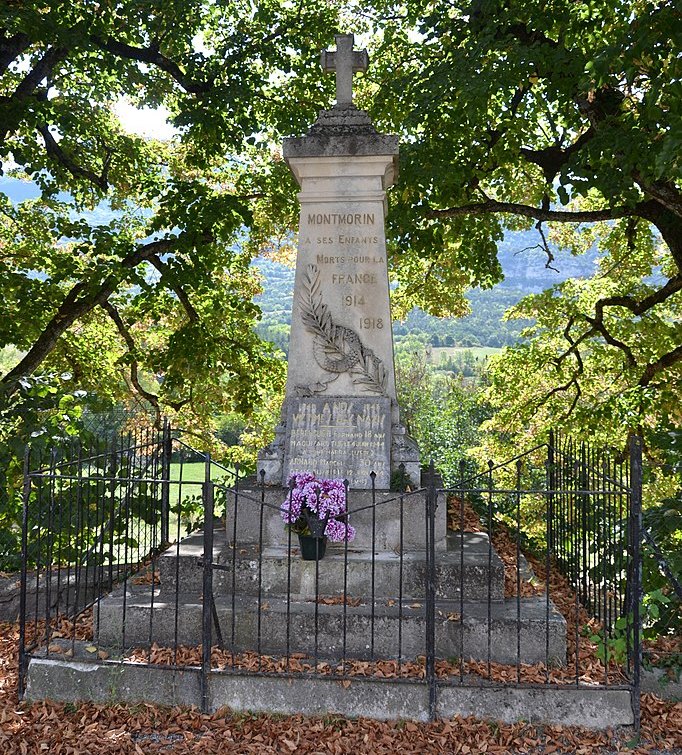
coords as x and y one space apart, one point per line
325 259
354 301
338 437
338 218
358 239
369 323
366 278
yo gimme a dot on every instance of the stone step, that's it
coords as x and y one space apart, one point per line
384 521
390 630
246 571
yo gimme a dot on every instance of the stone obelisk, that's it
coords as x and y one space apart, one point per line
340 415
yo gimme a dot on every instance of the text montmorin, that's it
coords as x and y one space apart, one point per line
339 218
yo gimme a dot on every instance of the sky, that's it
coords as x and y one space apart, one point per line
146 121
151 122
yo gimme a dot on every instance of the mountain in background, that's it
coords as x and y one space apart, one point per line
525 270
522 260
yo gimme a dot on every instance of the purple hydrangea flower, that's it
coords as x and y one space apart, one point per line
322 498
337 531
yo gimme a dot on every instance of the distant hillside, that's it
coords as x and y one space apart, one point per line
525 270
523 262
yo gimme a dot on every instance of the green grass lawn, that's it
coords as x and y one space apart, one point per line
193 471
190 485
478 352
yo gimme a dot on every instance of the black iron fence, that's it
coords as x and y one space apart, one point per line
92 517
526 575
591 533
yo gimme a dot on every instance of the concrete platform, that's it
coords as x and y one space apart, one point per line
110 682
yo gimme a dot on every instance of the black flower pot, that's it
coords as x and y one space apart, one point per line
312 548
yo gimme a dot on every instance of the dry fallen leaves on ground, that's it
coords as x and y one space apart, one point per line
87 729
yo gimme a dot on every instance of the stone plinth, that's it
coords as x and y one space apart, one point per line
383 522
341 417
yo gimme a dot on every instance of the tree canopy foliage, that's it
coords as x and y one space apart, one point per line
561 115
156 302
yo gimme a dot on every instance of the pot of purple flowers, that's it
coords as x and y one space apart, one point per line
316 511
312 548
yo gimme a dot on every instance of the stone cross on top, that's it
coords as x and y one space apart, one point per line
345 61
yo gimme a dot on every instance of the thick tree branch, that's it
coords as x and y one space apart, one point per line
132 350
552 159
57 153
11 48
517 98
574 344
671 287
537 213
81 299
664 192
637 307
134 366
664 210
28 85
167 277
152 56
668 224
40 71
662 363
530 37
600 104
598 325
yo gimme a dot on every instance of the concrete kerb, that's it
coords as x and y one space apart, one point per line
109 682
70 681
662 682
593 708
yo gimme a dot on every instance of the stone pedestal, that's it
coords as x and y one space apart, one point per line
341 417
384 522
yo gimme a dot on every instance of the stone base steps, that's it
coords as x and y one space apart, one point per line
391 630
248 570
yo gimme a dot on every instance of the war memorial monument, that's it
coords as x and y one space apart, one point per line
246 589
340 415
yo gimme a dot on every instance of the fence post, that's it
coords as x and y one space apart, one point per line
551 484
636 591
24 573
551 487
431 503
166 451
207 563
111 528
